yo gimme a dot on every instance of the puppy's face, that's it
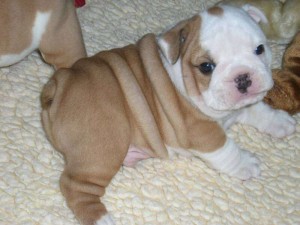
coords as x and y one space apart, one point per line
219 60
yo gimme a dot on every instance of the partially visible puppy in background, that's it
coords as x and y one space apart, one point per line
282 17
49 26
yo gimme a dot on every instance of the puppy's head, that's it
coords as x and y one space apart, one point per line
219 59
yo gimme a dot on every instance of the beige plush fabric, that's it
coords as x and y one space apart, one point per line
179 191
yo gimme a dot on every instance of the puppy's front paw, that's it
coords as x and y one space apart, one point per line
230 159
248 166
281 125
105 220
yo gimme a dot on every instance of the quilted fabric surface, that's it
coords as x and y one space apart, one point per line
179 191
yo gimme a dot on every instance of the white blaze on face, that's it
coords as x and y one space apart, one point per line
231 39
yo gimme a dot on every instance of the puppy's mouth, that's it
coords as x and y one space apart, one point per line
220 107
234 99
249 98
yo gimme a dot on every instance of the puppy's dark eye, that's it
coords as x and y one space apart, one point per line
259 50
207 68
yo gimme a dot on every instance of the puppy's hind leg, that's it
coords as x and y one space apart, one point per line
92 160
84 180
86 119
83 197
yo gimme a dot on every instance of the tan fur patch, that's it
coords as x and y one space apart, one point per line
177 37
192 56
61 44
15 40
216 11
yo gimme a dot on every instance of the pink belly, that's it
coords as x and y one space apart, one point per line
134 155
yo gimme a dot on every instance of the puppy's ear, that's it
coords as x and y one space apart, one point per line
255 13
172 41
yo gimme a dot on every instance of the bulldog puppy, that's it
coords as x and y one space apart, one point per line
282 20
175 92
50 26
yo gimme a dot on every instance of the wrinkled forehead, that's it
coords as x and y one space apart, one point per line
229 29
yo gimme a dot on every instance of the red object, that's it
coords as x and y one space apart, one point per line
79 3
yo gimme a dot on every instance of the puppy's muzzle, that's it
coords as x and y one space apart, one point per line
243 82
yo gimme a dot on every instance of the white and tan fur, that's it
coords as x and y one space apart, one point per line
152 99
49 26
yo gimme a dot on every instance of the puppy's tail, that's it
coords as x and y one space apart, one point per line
50 98
50 89
48 94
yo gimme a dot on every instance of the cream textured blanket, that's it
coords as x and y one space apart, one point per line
178 191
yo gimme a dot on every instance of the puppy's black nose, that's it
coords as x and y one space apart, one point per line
243 81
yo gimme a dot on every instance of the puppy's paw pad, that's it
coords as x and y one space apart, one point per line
282 125
105 220
248 167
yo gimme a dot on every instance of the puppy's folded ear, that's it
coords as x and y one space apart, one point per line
256 14
172 41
